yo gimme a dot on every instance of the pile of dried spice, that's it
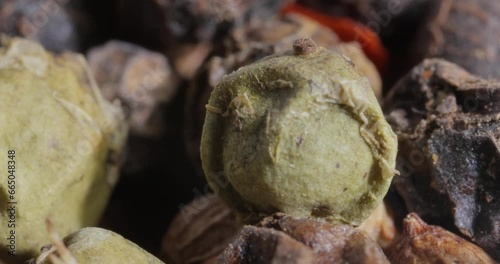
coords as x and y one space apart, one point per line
249 131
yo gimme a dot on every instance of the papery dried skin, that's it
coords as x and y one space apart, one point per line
200 231
422 243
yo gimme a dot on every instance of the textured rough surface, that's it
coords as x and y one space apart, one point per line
328 243
250 43
67 140
465 32
299 134
96 245
201 230
448 126
422 243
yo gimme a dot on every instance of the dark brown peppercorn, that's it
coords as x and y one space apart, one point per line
262 245
466 32
448 126
329 243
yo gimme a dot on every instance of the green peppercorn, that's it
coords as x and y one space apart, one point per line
298 132
64 142
95 245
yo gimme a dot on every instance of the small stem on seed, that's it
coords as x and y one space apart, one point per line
304 46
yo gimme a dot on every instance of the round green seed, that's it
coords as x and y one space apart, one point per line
301 133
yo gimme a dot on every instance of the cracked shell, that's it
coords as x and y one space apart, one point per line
298 132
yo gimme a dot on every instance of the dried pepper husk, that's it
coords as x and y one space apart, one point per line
465 32
298 132
205 227
200 231
448 124
95 245
422 243
284 239
59 25
250 43
68 141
